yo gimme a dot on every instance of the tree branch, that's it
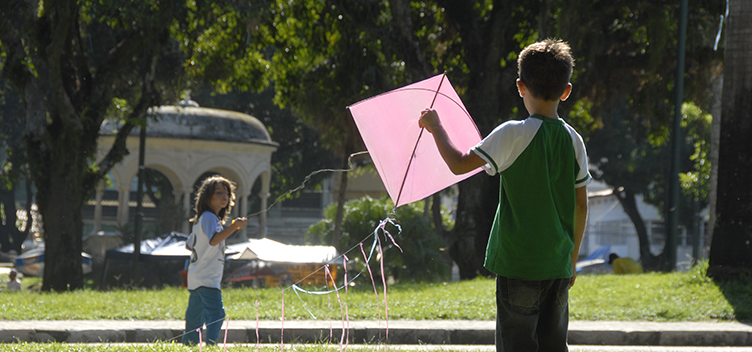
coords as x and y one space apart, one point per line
149 98
118 59
63 16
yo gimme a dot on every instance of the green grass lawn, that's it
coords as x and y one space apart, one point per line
688 296
173 347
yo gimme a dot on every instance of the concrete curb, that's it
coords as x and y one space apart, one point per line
401 332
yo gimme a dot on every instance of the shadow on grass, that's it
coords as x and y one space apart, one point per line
737 288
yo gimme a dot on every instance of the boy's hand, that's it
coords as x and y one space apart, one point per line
429 119
574 275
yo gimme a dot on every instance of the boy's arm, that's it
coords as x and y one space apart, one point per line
458 162
580 221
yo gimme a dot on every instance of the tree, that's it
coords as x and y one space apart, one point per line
67 87
331 54
731 248
625 71
325 59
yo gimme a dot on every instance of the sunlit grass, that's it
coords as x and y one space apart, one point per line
174 347
686 296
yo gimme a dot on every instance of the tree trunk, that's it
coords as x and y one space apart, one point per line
63 227
475 214
337 235
628 202
489 97
731 249
715 141
59 172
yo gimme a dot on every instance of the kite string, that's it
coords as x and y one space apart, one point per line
296 288
376 243
306 179
382 226
412 156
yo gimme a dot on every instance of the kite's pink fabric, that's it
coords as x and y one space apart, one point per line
388 124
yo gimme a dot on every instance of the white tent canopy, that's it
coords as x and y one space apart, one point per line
272 251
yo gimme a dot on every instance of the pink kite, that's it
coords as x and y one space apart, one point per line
405 156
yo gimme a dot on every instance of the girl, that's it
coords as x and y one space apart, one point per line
207 244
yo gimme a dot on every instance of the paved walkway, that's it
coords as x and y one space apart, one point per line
401 332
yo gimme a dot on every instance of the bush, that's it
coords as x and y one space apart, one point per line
422 258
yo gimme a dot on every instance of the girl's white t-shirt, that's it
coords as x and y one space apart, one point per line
207 261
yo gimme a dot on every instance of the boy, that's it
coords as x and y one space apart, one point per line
535 238
13 283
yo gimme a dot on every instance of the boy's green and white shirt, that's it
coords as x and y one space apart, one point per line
541 162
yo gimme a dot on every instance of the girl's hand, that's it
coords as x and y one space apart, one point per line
238 223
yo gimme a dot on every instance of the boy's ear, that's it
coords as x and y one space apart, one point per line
567 91
521 88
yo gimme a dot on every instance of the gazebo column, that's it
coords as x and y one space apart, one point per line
124 196
98 208
264 195
186 228
243 235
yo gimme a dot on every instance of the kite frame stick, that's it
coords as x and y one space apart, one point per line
412 156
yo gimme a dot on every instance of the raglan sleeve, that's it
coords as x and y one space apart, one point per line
494 149
583 175
210 224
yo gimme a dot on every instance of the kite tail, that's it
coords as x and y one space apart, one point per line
341 309
227 327
347 311
383 283
282 326
257 328
382 226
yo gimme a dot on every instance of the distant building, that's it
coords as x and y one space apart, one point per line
185 143
609 225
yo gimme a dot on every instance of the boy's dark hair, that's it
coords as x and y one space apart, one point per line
545 68
206 191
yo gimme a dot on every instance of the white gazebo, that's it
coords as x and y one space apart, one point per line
183 143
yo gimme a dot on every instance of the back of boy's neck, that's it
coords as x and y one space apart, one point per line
549 113
547 108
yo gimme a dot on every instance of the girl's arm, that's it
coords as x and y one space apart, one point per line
220 236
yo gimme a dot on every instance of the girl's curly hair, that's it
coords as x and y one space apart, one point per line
205 193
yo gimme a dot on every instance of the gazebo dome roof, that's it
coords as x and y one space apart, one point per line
189 121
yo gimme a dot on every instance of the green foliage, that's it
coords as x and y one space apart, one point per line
694 173
223 44
324 52
696 126
625 84
420 257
